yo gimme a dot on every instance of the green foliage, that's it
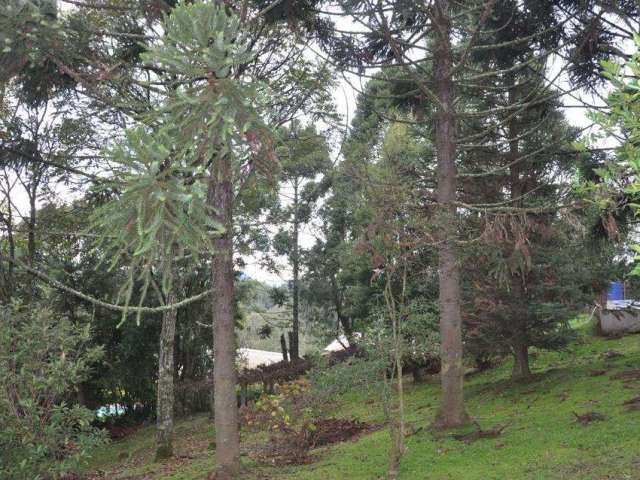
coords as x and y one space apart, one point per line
266 414
288 419
129 370
159 212
202 39
37 49
304 158
166 164
363 374
420 330
523 294
43 358
617 187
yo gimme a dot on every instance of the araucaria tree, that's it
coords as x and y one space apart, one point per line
467 73
304 157
203 145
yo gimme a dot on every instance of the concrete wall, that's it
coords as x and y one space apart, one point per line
615 322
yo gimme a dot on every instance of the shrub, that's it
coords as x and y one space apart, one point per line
42 360
287 419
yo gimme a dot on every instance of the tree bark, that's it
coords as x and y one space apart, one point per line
283 346
7 287
452 412
31 236
521 361
344 320
518 189
224 371
294 349
166 393
291 357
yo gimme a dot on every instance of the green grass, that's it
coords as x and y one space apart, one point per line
541 441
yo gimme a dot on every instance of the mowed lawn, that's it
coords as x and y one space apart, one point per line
541 437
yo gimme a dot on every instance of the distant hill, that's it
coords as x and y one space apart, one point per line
261 315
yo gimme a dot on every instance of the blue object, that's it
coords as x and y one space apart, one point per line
616 291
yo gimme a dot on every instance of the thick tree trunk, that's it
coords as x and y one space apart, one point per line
518 189
294 348
212 408
224 372
452 412
166 392
521 361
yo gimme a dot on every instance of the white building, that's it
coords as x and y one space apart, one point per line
251 358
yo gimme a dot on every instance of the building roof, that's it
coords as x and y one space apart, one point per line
251 358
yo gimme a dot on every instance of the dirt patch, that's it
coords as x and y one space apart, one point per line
335 430
293 447
480 434
611 354
614 336
597 373
589 417
118 432
632 404
627 375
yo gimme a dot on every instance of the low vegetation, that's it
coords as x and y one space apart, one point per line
539 435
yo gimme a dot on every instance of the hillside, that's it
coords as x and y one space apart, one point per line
259 311
280 322
541 438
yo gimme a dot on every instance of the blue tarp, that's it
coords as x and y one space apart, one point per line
616 291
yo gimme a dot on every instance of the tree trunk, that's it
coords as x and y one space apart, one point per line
212 408
31 226
420 374
452 412
518 189
521 361
291 357
344 321
7 287
294 349
283 346
166 393
224 372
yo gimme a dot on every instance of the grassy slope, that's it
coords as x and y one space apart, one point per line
542 439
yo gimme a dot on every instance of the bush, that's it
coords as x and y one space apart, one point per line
42 360
288 420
